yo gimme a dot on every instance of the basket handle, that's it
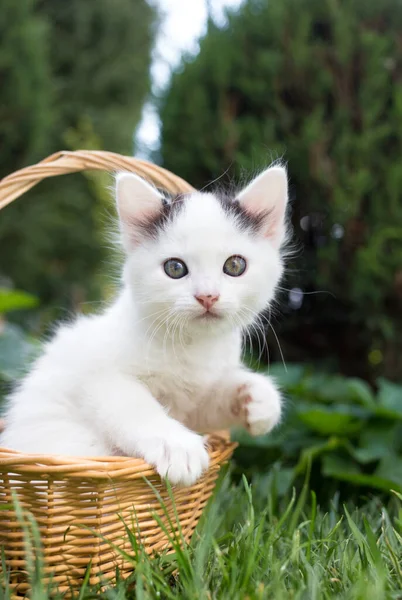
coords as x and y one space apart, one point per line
61 163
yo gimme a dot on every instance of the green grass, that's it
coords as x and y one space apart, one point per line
252 545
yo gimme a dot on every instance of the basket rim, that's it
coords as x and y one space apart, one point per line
219 448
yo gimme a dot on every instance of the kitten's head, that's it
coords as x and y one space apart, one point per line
202 260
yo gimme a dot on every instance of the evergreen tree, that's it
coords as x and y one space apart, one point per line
83 75
100 57
318 83
26 91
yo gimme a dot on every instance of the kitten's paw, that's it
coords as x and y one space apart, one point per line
259 403
180 455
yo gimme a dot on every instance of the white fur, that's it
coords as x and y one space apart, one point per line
142 377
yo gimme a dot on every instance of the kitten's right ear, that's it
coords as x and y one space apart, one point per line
138 202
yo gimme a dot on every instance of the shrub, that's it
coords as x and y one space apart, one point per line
336 427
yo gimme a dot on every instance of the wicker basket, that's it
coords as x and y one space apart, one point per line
82 505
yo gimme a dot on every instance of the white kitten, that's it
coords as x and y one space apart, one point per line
163 362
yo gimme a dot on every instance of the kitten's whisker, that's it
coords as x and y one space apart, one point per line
171 327
158 312
279 346
164 319
179 329
216 179
263 318
183 323
257 332
246 331
159 315
283 289
257 327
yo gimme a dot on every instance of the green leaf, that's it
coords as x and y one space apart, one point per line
339 420
340 468
376 441
278 477
390 396
325 388
359 391
287 377
367 455
332 464
16 352
242 437
310 454
15 300
390 467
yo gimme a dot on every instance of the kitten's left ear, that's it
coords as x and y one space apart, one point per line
138 202
266 197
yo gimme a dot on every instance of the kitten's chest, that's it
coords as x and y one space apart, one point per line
181 381
181 388
177 393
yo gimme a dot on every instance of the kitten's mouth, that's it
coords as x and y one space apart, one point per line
208 316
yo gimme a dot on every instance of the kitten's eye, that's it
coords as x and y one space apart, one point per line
235 266
175 268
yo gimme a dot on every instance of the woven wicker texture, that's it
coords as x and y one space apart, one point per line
83 505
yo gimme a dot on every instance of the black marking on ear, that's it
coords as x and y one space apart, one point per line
169 209
245 220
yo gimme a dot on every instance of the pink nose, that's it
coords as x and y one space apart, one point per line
207 301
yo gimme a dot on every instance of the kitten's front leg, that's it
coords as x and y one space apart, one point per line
244 398
126 414
257 403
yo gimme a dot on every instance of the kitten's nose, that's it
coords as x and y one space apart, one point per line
207 301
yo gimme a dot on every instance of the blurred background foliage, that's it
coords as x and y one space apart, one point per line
321 91
73 75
